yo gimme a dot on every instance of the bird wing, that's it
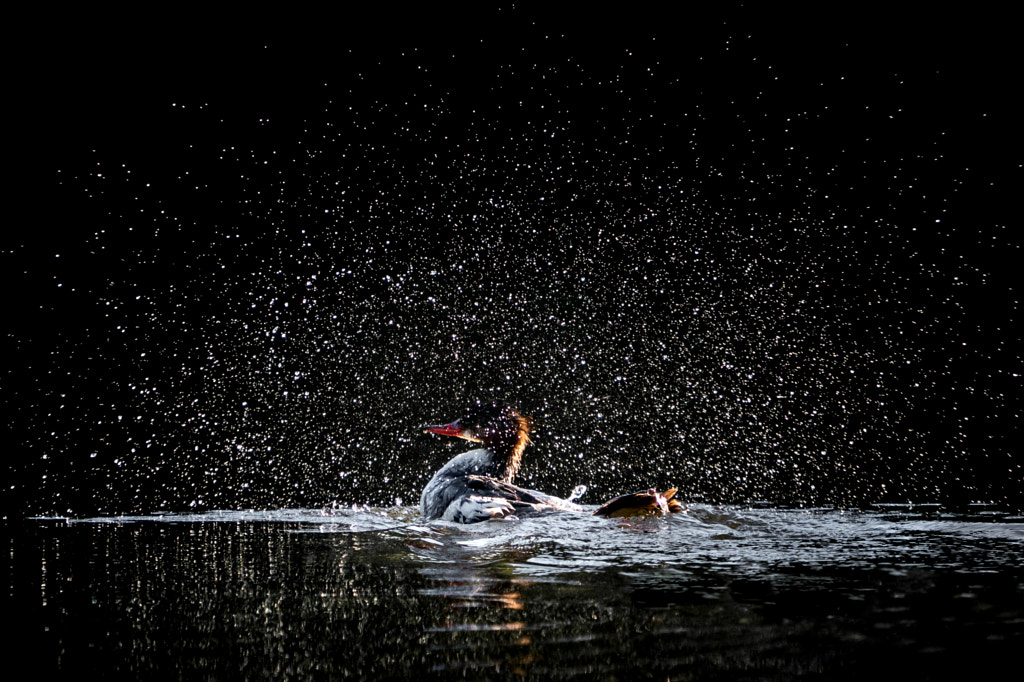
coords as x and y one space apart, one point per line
479 498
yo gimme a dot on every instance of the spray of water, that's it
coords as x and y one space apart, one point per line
725 275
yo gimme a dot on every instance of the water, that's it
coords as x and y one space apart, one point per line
716 593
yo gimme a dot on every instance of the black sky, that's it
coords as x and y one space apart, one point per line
900 115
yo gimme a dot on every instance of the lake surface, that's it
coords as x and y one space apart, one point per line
715 593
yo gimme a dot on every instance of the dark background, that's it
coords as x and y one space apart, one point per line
760 254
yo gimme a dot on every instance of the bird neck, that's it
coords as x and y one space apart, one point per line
508 455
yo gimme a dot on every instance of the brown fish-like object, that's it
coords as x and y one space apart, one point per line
644 503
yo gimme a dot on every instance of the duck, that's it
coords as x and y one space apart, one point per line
477 485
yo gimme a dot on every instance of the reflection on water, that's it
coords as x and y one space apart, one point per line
711 594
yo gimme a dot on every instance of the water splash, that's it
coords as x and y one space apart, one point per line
656 253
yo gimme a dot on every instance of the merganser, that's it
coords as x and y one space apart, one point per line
477 485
